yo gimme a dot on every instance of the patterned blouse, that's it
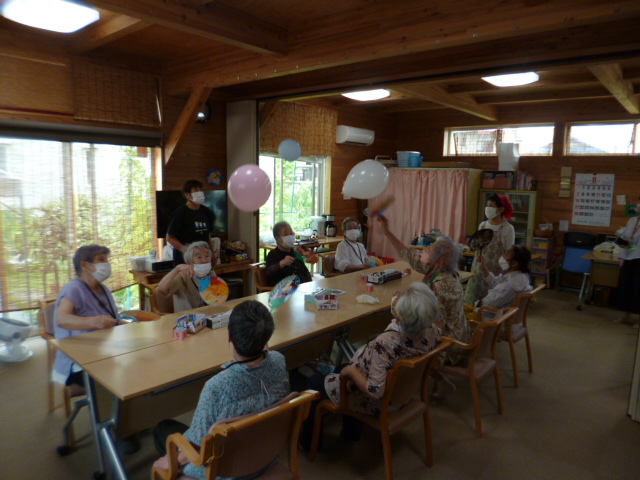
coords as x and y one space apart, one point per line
449 292
374 360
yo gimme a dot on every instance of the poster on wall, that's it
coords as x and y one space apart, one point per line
593 199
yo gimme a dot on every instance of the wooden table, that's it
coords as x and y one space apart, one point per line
330 242
605 271
143 277
150 376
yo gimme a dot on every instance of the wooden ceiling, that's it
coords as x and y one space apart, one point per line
430 53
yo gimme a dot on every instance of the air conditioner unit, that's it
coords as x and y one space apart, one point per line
354 136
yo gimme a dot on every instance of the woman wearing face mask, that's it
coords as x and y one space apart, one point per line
351 255
498 210
287 259
629 285
504 288
190 223
83 305
181 282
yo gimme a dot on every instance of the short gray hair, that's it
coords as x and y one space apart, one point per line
277 228
188 254
446 246
347 220
417 308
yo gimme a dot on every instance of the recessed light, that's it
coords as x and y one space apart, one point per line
367 95
63 16
512 79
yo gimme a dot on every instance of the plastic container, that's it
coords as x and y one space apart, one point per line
415 161
403 157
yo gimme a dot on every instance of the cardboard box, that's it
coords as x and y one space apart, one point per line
327 302
192 322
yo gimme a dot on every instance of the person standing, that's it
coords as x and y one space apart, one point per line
498 210
192 222
629 285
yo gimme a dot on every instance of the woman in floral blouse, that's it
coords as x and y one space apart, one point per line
439 264
412 332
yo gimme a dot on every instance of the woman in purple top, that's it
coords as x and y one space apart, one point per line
83 305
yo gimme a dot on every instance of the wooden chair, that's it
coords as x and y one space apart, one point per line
515 329
158 305
46 327
403 381
329 264
260 277
482 359
243 445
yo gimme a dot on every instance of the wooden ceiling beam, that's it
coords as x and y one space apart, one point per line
268 111
555 50
437 94
613 80
384 32
185 123
214 20
545 95
102 33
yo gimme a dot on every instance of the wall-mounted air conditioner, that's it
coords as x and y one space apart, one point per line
354 136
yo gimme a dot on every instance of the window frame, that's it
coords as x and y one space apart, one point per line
567 138
448 150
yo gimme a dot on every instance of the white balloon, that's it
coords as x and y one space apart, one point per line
366 180
289 150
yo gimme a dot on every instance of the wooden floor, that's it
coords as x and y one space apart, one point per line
566 421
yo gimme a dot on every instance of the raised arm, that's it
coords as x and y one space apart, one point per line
395 241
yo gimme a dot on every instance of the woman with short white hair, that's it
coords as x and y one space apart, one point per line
181 282
412 332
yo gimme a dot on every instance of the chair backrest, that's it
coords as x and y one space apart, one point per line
244 445
577 244
45 319
260 277
329 264
486 335
523 303
410 374
159 304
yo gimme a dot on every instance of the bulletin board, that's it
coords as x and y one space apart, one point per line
593 199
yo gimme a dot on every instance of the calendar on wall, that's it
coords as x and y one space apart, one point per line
593 199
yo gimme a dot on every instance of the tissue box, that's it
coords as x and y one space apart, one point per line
192 322
384 277
327 302
138 263
218 320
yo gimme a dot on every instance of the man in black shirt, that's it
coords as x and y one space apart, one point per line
285 260
191 222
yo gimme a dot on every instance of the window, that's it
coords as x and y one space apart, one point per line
603 139
57 196
531 140
298 192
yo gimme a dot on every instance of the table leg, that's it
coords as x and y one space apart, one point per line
245 282
102 436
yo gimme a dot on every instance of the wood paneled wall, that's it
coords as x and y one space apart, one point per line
204 146
346 156
424 131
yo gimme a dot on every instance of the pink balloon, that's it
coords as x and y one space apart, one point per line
249 187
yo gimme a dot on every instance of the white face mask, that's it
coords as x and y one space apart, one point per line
197 198
103 271
504 265
201 269
288 241
353 234
490 212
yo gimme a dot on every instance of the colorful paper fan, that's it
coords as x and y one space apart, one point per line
213 289
283 290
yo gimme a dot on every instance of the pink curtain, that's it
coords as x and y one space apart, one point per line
424 199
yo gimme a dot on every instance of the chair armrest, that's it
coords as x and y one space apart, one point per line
464 346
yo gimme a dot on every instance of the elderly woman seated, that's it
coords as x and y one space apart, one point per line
83 305
504 288
254 380
412 332
351 255
287 258
181 281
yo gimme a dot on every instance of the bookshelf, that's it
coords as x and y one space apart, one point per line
524 212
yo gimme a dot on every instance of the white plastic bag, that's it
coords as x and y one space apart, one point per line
368 299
